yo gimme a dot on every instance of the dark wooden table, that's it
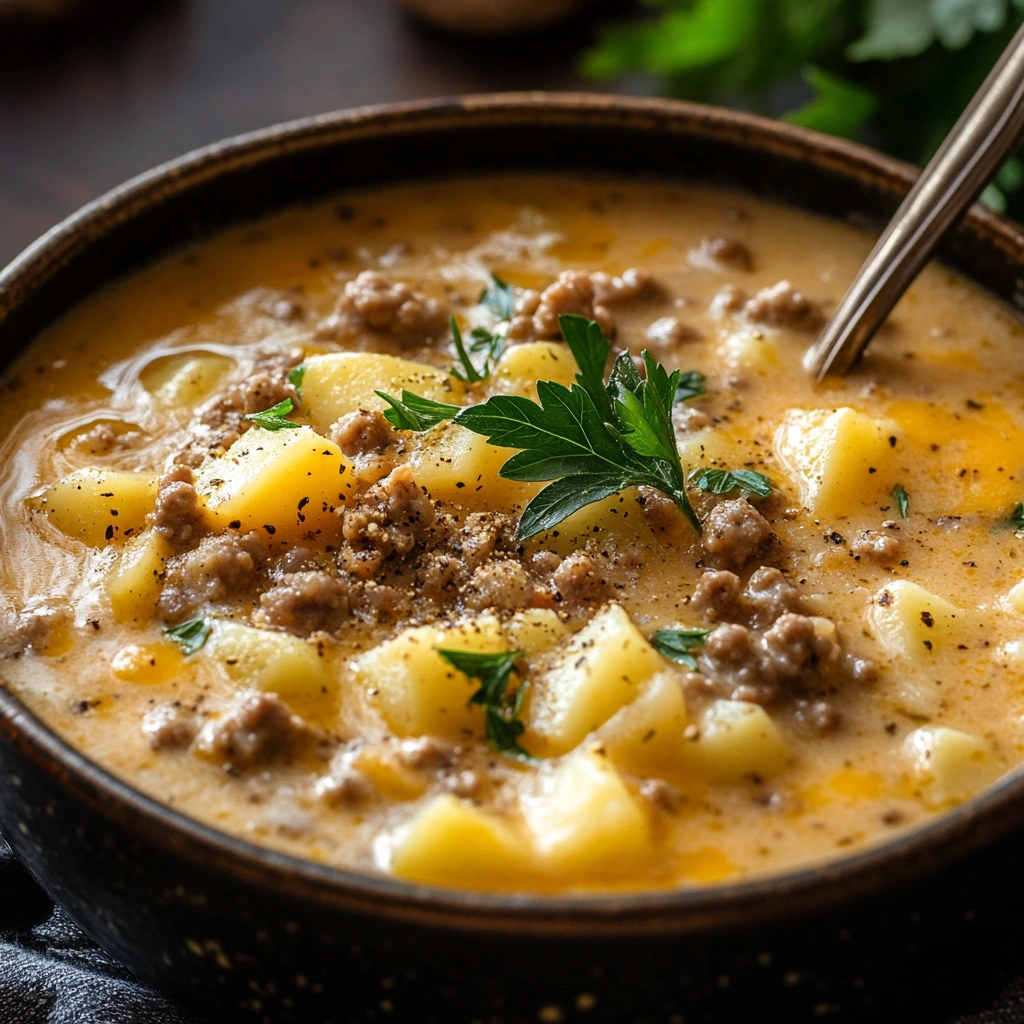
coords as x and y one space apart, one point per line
85 107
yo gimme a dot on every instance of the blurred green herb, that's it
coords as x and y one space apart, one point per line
676 645
725 481
274 417
190 636
894 73
902 499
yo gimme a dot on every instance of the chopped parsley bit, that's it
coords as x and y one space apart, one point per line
691 385
723 481
902 499
274 417
470 374
593 439
414 412
676 644
295 377
499 298
501 709
483 341
1017 518
191 635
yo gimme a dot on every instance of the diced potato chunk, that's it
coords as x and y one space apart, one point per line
617 518
452 843
342 382
737 740
96 506
951 764
591 676
521 366
585 822
259 658
416 690
912 622
180 382
455 465
749 349
841 460
534 631
1015 598
135 582
285 483
646 736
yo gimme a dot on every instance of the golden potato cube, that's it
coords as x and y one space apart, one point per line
179 382
521 366
1015 598
137 578
590 677
259 658
841 460
749 349
911 622
285 483
646 736
737 740
342 382
452 843
97 506
416 690
534 631
618 519
455 465
951 765
585 822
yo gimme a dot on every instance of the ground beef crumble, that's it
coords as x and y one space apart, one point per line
178 513
373 303
734 533
255 727
782 305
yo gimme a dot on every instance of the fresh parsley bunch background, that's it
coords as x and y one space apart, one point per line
893 73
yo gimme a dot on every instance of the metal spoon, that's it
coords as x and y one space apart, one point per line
972 152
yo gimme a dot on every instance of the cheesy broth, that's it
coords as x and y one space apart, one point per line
864 665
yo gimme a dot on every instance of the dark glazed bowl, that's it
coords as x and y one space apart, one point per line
228 927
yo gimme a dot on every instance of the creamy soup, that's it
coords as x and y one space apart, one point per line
703 627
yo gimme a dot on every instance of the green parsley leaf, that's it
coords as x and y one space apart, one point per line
501 711
470 374
295 377
902 499
676 644
190 636
1017 518
592 440
723 481
839 107
481 340
691 385
274 417
414 412
499 298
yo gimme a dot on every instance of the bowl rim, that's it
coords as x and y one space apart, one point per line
952 834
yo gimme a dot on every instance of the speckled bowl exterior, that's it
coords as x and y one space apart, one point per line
231 929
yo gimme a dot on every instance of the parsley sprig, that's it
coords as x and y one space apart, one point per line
414 412
691 385
190 636
724 481
676 645
295 377
482 340
591 439
902 499
501 709
499 298
274 417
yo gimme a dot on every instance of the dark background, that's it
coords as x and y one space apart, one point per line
86 105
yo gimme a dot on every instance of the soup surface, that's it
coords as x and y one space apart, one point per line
231 580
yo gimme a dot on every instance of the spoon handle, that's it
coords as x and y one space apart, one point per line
972 152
